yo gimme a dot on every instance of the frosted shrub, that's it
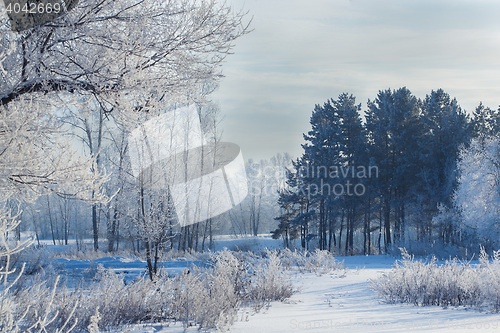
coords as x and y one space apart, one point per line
322 262
33 258
270 280
208 297
490 279
117 303
453 283
242 279
319 261
17 315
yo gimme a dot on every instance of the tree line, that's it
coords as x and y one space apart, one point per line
402 154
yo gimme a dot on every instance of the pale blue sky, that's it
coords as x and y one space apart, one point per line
303 52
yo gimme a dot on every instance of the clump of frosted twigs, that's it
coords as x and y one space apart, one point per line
15 316
453 283
208 297
318 261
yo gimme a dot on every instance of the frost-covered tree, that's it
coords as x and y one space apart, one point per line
117 58
106 47
36 160
265 179
477 197
353 154
381 150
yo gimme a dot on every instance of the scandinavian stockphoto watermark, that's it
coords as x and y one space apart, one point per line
335 180
315 180
170 153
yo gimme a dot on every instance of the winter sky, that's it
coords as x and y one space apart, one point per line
303 52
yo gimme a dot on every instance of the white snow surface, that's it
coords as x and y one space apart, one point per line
346 303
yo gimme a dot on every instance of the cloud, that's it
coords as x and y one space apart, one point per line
304 52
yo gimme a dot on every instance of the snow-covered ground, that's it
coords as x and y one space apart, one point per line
347 304
344 302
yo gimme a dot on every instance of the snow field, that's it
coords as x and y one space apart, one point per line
238 293
347 303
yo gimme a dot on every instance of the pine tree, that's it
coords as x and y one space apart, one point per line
337 140
446 129
378 121
352 155
393 122
485 121
321 153
293 203
406 133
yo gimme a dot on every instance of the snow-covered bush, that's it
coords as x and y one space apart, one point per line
319 261
453 283
17 315
33 258
490 279
212 296
208 297
270 281
477 196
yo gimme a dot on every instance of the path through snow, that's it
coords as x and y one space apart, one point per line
347 304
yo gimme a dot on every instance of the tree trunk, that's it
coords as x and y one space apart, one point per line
95 227
205 231
341 229
147 243
51 222
157 256
148 259
211 236
387 223
112 226
380 231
